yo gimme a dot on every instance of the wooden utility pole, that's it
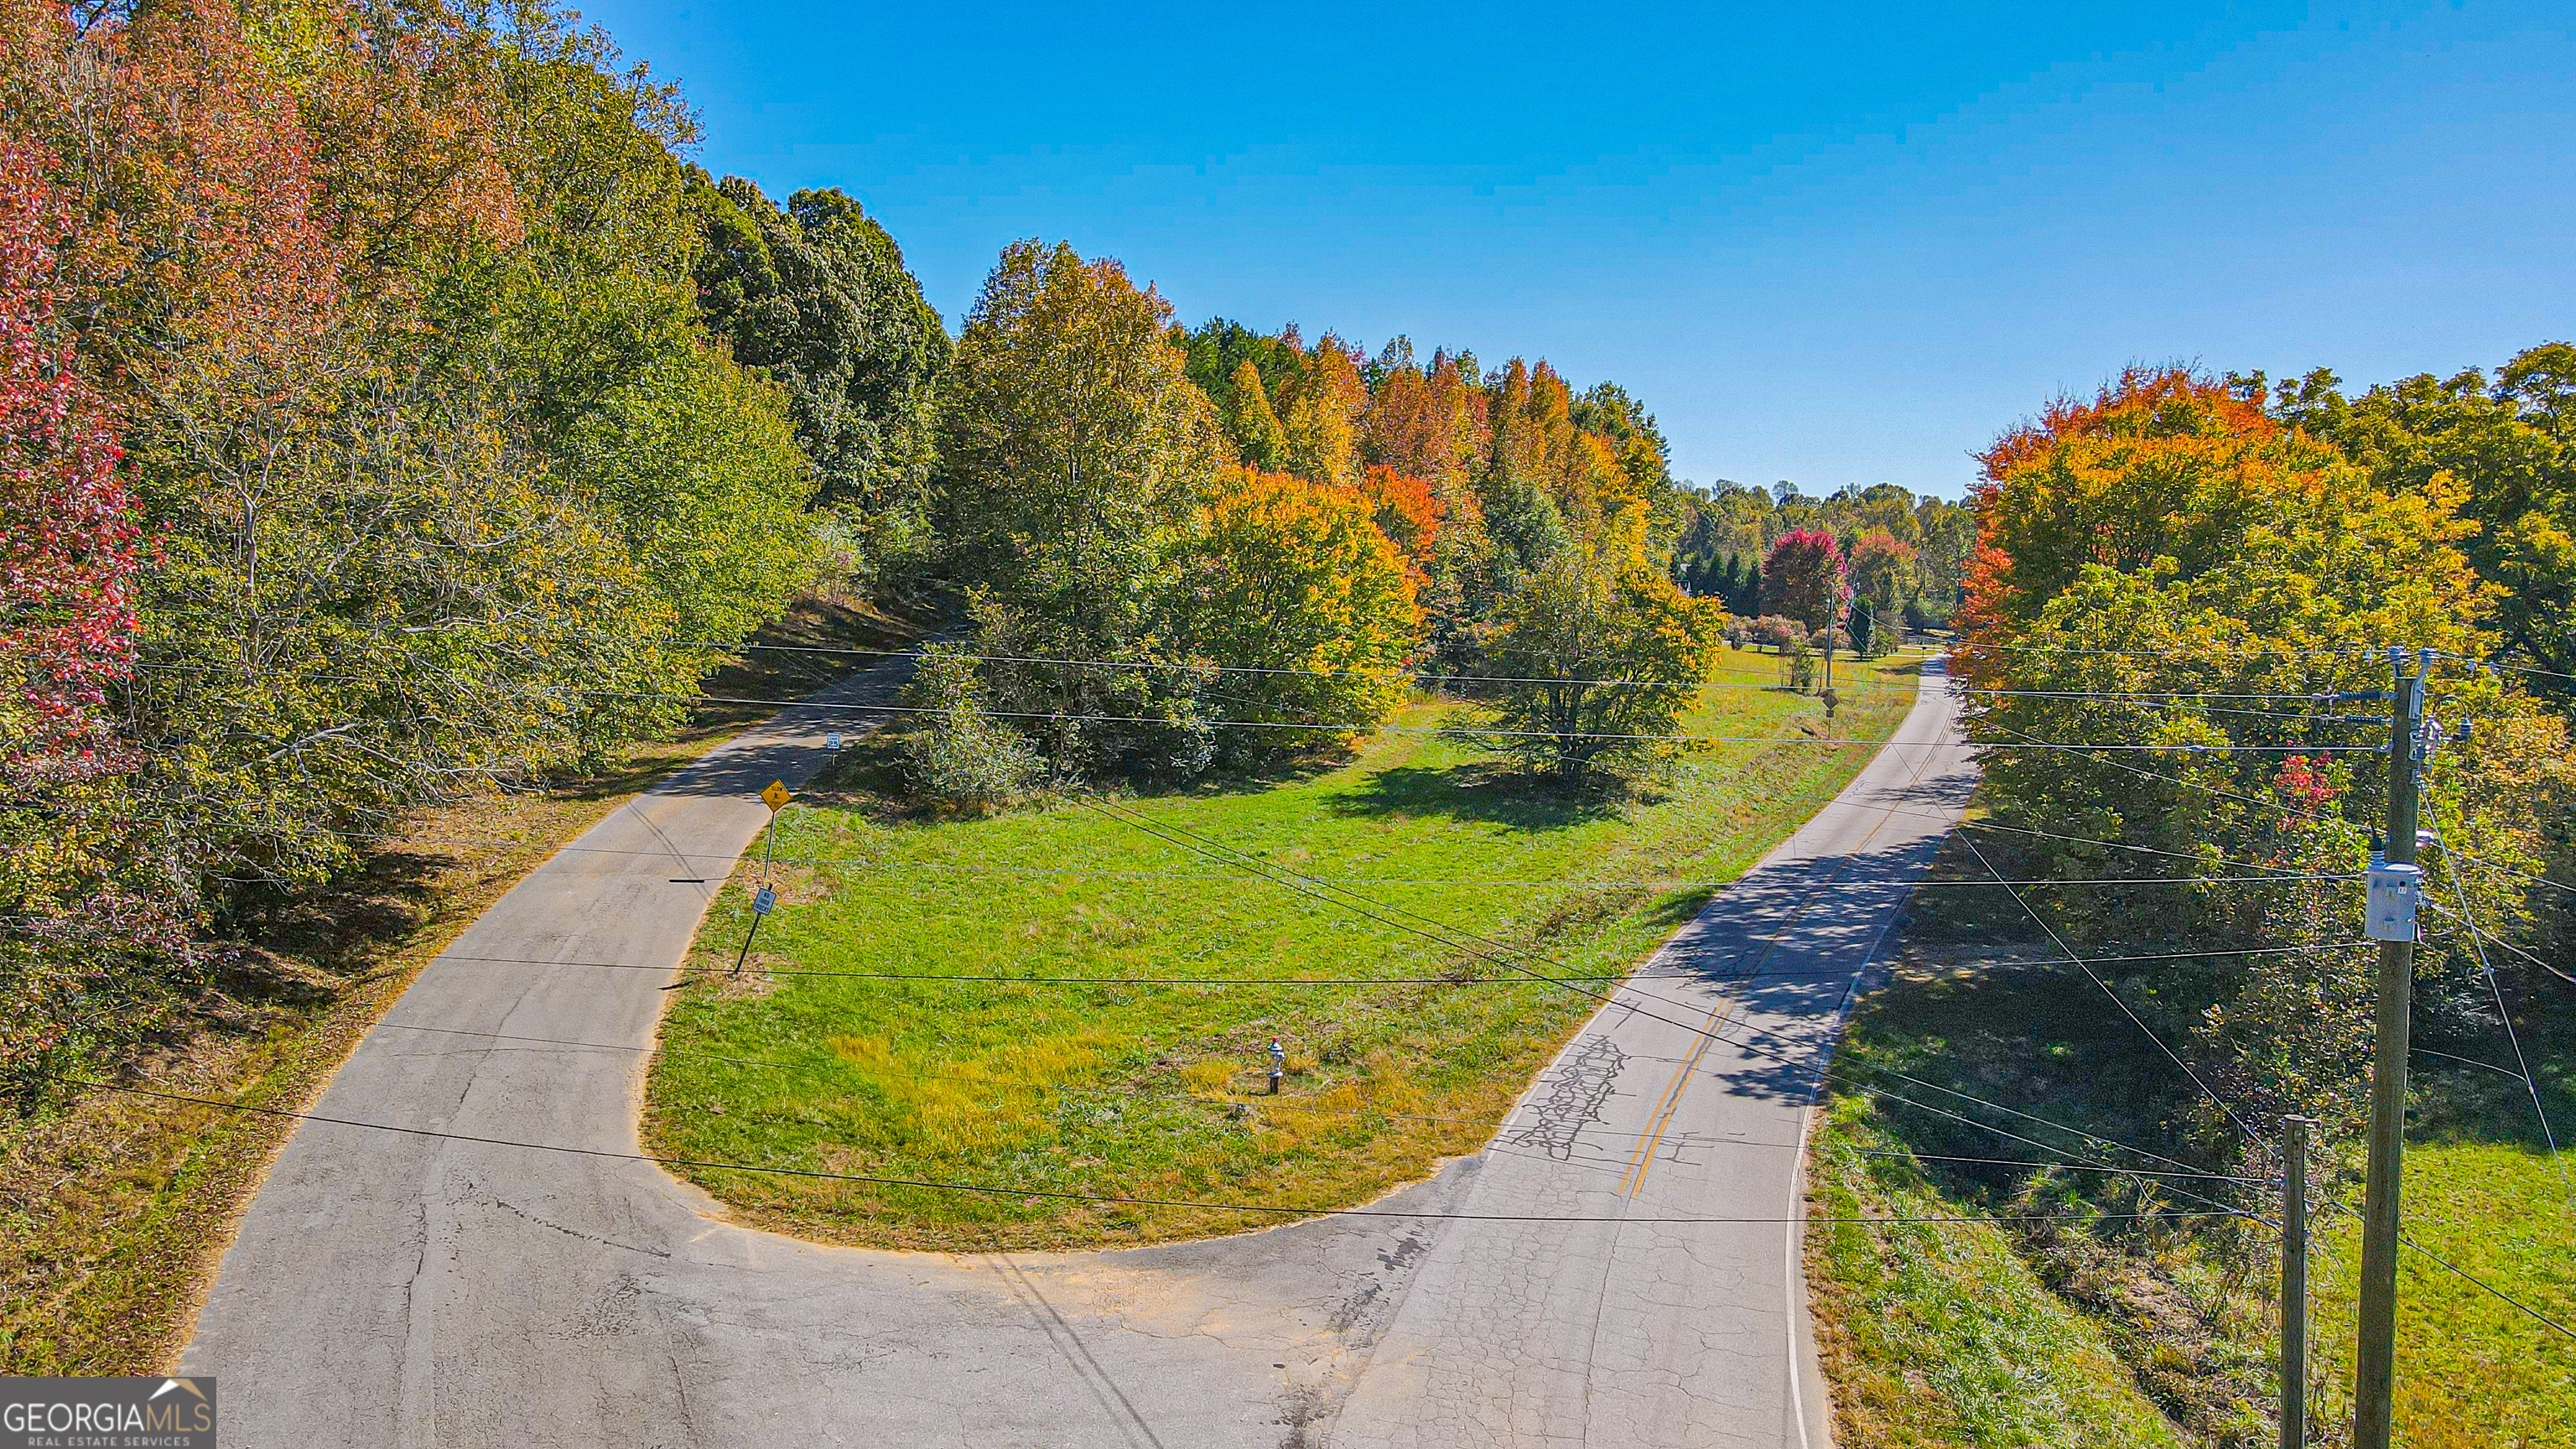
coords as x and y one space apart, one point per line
2294 1282
2375 1356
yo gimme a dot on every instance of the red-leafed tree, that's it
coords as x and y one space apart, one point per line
69 553
1805 579
67 539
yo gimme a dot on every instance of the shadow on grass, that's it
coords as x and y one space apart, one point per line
2038 1039
1487 793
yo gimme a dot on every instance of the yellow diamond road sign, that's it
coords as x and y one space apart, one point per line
776 795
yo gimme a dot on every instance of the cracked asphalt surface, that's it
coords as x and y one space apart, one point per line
388 1288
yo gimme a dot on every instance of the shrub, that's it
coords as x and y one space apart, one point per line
1778 631
960 755
1798 666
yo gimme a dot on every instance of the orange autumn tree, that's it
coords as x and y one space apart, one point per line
2162 464
1427 421
1293 576
1408 510
2166 570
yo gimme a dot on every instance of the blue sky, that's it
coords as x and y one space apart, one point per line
1832 248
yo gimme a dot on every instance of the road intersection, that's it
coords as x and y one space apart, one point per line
400 1288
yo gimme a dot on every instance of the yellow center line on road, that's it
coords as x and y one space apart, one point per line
1648 1140
1643 1159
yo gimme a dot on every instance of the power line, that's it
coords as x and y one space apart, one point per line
2089 840
1389 674
1447 936
1968 1121
2213 789
2483 864
1272 1104
1759 1051
2480 933
986 1190
1469 732
2259 652
2467 1061
2140 1022
1007 979
1572 883
2282 872
2465 1275
1418 675
2497 664
1000 978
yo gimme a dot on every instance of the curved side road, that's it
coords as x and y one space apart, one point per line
391 1288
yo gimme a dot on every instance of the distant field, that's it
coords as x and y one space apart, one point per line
1140 1090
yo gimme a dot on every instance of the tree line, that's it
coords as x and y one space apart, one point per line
389 410
1906 557
1192 548
367 443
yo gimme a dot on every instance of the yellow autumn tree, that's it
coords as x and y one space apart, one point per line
1321 416
1251 422
1293 576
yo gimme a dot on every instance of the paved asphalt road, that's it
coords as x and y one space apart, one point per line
388 1288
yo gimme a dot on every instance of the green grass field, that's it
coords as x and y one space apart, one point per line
1937 1333
1140 1090
2472 1369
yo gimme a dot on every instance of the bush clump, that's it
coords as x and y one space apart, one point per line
960 755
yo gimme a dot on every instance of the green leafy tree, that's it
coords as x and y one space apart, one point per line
440 469
1076 450
817 297
2510 445
1212 354
2118 621
1882 580
1610 412
1949 536
1604 652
